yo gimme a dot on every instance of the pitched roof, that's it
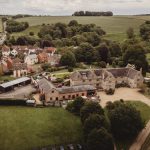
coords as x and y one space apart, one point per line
20 66
45 85
74 89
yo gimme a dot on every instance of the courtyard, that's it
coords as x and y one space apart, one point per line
126 94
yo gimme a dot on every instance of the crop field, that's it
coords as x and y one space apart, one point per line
115 26
25 128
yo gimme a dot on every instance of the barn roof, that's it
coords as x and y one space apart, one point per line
14 82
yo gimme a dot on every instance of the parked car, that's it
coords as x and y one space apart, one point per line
62 148
79 147
70 147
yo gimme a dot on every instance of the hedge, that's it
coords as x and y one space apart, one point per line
12 102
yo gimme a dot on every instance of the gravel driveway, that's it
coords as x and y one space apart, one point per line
125 94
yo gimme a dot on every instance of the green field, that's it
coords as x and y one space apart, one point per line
1 28
27 128
115 26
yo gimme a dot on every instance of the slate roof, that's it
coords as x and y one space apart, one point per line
74 89
46 86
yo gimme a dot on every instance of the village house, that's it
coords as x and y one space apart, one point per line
54 59
5 51
52 93
50 50
19 68
43 57
107 79
31 59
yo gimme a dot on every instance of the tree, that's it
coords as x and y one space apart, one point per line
100 140
94 121
130 33
103 53
135 54
145 30
73 23
85 53
115 49
126 121
90 108
31 33
68 59
76 105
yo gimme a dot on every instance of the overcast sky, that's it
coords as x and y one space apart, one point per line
67 7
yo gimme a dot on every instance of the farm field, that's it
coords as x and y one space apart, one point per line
115 26
28 128
1 24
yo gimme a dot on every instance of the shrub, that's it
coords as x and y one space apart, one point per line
110 92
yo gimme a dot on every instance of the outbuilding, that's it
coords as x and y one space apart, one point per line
8 86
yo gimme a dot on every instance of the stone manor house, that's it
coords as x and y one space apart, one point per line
108 78
86 83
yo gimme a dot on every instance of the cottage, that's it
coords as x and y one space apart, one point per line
54 59
43 57
50 50
5 51
52 93
20 69
31 59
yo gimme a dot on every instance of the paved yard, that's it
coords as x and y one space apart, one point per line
19 92
125 94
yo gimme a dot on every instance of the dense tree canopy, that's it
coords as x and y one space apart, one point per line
100 139
14 26
125 120
90 108
135 54
94 121
145 30
90 13
68 59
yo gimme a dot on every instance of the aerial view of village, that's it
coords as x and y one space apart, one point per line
74 75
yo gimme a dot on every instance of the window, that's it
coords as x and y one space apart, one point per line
77 95
73 96
69 96
51 98
52 91
56 98
82 94
63 97
83 80
90 80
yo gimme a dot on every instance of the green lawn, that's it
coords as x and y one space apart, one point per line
26 128
115 26
7 78
148 58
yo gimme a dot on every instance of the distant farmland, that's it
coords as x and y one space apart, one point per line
115 26
0 24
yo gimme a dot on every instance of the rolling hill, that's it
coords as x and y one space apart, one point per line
115 26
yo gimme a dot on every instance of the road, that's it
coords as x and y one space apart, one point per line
141 138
